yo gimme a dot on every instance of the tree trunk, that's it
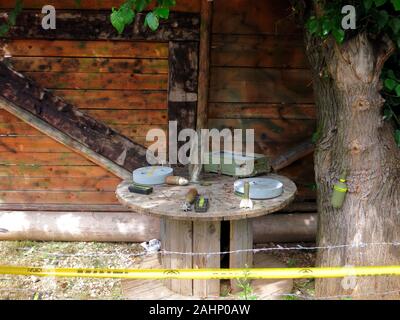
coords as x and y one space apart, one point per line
354 137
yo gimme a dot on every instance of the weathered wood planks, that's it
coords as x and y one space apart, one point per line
258 51
254 16
99 81
206 238
90 65
183 81
260 80
74 64
260 85
116 99
270 130
228 110
96 25
181 6
241 236
77 197
59 183
27 95
177 236
41 163
98 49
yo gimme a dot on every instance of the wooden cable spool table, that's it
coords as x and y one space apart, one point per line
192 232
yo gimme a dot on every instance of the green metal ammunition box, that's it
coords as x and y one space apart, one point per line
236 165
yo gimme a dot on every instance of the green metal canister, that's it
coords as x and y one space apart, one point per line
340 190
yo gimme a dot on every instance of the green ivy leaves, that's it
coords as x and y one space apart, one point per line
392 83
12 18
325 26
378 3
397 137
124 16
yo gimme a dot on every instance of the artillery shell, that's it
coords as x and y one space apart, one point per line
191 196
176 181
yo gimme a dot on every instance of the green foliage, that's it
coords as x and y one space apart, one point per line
125 14
245 285
11 19
378 18
391 92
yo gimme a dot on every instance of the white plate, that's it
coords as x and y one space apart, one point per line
260 188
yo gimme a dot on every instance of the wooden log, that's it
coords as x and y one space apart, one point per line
26 98
292 227
83 25
77 226
301 207
114 225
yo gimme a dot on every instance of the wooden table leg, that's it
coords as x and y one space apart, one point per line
241 238
206 238
177 236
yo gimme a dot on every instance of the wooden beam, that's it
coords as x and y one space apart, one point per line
204 63
82 25
298 152
95 140
64 139
183 80
204 78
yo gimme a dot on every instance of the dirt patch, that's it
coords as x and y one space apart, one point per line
297 258
64 254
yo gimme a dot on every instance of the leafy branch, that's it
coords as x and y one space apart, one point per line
126 13
11 18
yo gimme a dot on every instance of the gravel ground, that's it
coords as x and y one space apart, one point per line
64 254
96 255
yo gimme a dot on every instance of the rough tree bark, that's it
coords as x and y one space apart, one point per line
354 137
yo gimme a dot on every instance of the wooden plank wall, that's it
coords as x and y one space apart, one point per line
259 79
123 84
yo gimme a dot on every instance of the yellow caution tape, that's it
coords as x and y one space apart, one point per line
203 274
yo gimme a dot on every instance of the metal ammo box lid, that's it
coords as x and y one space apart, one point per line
236 164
